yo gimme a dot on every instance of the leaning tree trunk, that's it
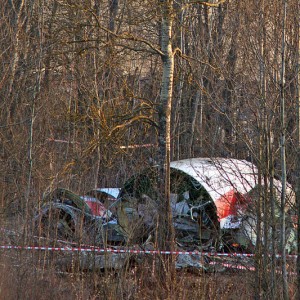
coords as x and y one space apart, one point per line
165 231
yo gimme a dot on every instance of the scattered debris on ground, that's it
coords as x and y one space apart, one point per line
213 205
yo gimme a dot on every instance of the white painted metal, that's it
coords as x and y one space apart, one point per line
220 175
114 192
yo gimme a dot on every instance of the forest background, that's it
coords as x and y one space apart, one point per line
81 89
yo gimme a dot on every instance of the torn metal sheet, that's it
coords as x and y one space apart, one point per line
93 262
68 216
212 202
228 183
105 199
190 262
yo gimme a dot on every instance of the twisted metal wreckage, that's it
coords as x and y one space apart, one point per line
213 205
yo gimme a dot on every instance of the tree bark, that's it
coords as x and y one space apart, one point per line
283 154
297 187
165 232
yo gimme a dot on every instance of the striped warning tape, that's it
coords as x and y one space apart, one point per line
131 251
109 250
90 248
241 267
233 266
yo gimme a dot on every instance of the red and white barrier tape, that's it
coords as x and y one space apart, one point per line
90 248
247 268
233 266
131 251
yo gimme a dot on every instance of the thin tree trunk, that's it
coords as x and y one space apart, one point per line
265 156
283 155
176 127
297 188
35 95
165 225
258 248
272 218
260 208
198 98
16 56
47 78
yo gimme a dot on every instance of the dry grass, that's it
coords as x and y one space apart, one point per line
39 275
35 275
25 275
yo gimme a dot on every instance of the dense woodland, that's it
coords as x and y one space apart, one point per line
81 89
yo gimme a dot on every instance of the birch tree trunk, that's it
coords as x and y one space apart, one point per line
165 232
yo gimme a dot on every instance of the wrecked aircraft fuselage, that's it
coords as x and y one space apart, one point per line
66 216
213 203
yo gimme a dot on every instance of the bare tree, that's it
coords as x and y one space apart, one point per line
283 154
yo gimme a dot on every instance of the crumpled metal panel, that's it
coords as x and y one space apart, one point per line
219 175
228 182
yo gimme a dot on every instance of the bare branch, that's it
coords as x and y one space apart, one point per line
132 120
205 3
127 36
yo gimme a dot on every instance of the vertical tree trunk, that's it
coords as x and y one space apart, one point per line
265 159
179 90
283 155
113 9
182 64
165 225
16 55
272 216
260 206
34 99
258 211
21 21
48 53
198 99
297 188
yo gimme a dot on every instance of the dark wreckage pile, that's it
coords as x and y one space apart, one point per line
214 208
